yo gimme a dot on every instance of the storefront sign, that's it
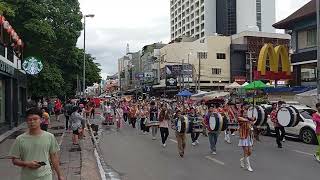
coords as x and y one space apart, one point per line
275 55
4 67
171 81
32 65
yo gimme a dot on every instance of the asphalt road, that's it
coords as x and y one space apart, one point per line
137 157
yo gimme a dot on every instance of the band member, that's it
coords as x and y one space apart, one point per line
133 113
119 117
280 132
125 109
213 135
203 110
193 118
316 119
143 115
246 140
153 117
181 136
164 125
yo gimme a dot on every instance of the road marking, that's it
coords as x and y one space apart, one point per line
301 152
215 160
173 140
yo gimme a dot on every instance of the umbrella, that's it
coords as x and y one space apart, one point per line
216 95
244 84
234 85
255 85
184 93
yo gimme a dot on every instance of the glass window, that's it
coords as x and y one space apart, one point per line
216 71
311 37
221 56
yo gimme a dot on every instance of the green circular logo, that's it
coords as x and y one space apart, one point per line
32 65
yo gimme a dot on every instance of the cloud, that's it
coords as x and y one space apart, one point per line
137 23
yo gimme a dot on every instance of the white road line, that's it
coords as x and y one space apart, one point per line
215 160
301 152
102 173
173 140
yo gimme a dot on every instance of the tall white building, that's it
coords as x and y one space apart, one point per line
200 18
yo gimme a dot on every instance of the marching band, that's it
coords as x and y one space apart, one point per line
194 119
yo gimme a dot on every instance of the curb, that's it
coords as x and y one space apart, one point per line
111 174
5 135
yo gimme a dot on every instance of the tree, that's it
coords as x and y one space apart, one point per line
50 29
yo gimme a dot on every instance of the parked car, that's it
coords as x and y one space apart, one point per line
305 130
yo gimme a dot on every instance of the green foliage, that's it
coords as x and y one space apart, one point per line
50 30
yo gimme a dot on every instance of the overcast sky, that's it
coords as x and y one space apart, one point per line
137 22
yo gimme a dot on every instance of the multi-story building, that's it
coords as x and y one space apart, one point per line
179 58
302 25
200 18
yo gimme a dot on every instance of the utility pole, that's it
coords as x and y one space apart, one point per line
251 65
318 48
199 70
188 71
183 73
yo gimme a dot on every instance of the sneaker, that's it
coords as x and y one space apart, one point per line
144 133
228 141
214 153
154 138
233 134
250 169
193 144
197 141
284 140
164 145
181 155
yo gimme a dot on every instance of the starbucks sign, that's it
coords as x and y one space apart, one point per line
32 65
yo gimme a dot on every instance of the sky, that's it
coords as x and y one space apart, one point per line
137 23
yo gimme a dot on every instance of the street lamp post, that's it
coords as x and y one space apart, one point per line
84 51
318 48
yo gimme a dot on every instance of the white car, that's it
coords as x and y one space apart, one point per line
305 130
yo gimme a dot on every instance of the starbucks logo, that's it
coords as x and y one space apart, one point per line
32 65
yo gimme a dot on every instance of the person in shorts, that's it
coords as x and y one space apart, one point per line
76 124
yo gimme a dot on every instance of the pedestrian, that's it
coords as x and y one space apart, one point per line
246 138
67 112
45 120
57 108
164 125
316 119
92 110
76 124
213 135
45 104
35 150
193 119
280 132
181 136
153 117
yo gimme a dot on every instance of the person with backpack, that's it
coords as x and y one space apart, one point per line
67 112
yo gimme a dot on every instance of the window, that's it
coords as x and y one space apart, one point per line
203 55
312 37
216 71
221 56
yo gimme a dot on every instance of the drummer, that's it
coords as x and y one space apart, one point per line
193 119
280 131
213 135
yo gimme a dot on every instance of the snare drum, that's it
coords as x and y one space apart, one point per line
197 127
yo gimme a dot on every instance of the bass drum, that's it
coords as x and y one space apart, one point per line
259 113
288 116
183 127
217 122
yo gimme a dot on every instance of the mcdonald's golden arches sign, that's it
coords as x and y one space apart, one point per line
279 63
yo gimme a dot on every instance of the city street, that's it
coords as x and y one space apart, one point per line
137 157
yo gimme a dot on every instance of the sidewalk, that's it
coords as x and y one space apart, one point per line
76 162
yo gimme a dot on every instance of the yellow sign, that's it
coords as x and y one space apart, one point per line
274 55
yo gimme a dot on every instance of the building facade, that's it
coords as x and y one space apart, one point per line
302 25
200 18
178 59
13 82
